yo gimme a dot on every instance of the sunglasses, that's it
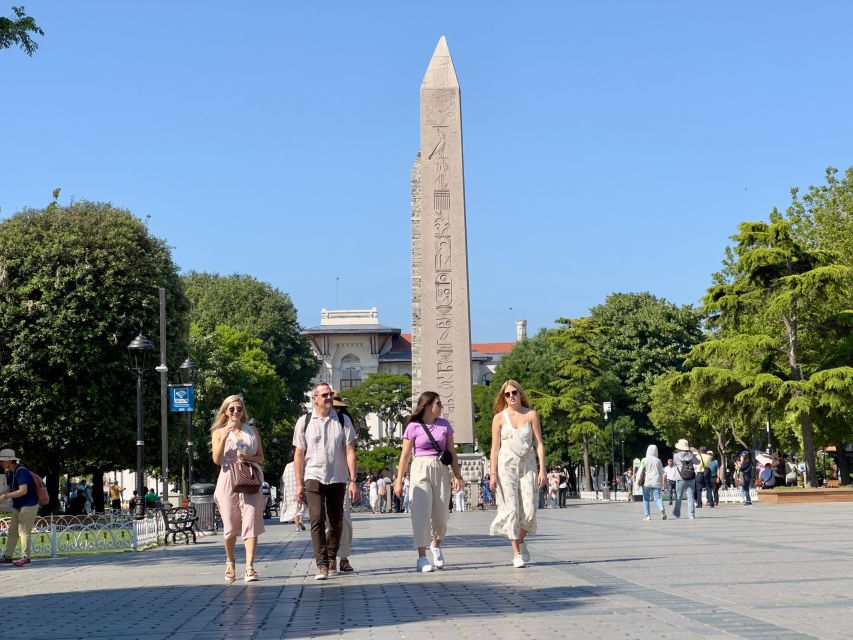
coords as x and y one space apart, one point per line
324 395
510 394
235 409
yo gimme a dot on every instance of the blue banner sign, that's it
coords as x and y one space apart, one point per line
181 398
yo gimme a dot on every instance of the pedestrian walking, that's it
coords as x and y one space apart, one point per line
671 475
744 465
25 506
712 481
344 566
325 466
685 462
516 445
428 444
291 508
235 440
653 479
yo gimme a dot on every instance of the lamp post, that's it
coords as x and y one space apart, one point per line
608 407
188 370
138 351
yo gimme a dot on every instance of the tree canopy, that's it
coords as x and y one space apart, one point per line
17 30
387 395
77 284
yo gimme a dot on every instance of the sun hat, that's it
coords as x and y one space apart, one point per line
8 455
682 445
337 401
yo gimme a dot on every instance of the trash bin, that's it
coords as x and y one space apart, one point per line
201 496
605 493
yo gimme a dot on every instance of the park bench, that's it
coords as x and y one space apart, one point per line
180 520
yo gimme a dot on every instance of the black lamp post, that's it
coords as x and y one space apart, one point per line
188 370
138 351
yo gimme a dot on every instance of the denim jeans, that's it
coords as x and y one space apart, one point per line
747 485
699 485
670 484
682 486
648 494
710 485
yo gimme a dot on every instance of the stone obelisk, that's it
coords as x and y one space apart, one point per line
441 322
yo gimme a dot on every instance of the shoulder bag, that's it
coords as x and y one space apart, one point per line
443 454
245 477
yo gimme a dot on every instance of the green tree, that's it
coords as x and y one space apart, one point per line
262 312
640 338
17 29
484 397
77 283
232 362
773 312
387 395
374 460
573 397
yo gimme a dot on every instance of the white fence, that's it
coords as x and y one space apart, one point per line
53 536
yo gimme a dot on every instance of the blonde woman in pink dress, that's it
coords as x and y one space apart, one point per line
242 513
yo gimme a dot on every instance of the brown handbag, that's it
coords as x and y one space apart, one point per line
245 477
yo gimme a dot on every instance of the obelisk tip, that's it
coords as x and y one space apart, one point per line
440 73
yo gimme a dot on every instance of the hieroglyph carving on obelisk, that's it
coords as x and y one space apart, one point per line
441 324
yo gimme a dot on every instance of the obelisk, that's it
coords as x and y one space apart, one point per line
441 322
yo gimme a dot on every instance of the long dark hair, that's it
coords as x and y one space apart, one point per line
425 399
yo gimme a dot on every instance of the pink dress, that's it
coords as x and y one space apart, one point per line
241 513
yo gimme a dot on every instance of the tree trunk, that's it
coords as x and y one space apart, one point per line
52 483
843 469
98 490
586 471
803 417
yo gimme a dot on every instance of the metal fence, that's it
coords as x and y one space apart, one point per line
53 536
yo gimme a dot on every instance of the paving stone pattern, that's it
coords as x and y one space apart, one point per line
598 571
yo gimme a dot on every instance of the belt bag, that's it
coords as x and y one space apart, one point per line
245 477
444 455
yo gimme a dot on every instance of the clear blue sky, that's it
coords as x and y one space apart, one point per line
609 146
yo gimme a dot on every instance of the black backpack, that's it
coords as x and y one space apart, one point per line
687 471
308 419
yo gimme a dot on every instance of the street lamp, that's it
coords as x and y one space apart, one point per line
188 370
608 407
138 351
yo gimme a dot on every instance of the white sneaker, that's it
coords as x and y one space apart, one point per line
437 558
518 562
423 565
525 554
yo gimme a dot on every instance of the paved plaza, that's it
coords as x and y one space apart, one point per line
598 571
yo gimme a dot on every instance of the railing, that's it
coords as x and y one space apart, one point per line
53 536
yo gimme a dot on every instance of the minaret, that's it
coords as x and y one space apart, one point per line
441 323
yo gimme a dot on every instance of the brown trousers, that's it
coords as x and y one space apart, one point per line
325 501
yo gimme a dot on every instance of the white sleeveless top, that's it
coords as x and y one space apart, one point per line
518 440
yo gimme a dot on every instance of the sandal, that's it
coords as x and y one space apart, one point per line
230 576
251 575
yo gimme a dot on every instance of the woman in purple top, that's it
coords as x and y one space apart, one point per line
429 480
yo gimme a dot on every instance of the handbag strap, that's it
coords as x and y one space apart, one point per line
431 437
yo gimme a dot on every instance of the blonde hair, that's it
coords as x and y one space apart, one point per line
222 415
500 401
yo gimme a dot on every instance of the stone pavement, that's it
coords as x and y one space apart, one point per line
598 571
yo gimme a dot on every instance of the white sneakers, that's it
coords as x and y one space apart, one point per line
525 554
518 562
423 565
437 557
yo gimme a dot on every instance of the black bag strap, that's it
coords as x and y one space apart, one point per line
431 437
308 419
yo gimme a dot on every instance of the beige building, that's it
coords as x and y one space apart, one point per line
352 343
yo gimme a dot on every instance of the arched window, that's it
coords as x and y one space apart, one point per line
350 372
486 378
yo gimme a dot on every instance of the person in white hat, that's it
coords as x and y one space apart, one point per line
25 507
686 463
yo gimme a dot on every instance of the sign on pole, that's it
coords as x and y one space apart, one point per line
181 398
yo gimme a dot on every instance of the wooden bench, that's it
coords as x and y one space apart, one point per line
181 520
